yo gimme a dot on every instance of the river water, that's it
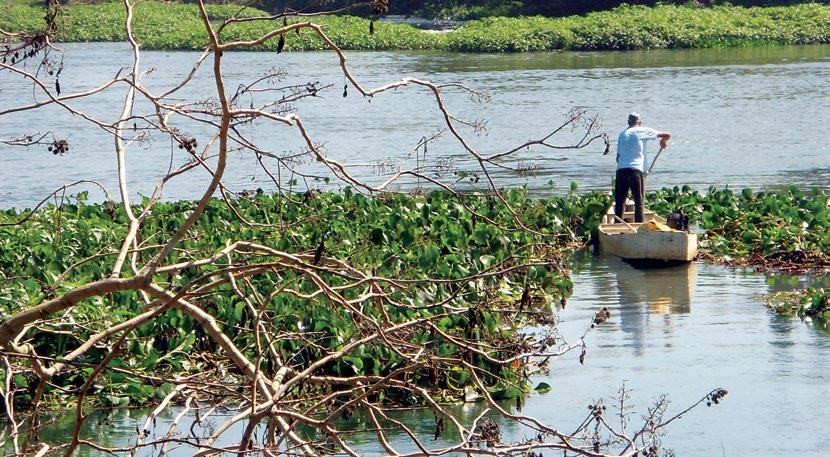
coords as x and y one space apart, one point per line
678 331
740 117
753 117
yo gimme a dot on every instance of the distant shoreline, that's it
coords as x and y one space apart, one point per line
163 26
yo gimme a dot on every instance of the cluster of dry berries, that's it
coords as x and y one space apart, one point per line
48 291
544 319
14 57
380 6
597 410
439 427
6 53
490 432
281 43
29 48
109 207
549 342
601 316
715 397
59 147
189 144
651 451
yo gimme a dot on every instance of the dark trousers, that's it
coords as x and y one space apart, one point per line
629 179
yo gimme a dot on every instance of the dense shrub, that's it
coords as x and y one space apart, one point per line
177 26
474 9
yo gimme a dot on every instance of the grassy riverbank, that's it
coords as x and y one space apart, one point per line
177 26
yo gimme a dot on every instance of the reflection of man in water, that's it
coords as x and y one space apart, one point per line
643 293
632 311
632 164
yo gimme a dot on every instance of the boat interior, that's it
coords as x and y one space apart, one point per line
611 224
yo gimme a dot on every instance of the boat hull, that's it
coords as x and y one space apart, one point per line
647 247
658 246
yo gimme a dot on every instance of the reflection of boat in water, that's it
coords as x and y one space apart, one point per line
646 294
662 291
638 243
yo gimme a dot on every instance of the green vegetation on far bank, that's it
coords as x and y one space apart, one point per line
177 26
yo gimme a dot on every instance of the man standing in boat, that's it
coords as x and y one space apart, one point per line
632 161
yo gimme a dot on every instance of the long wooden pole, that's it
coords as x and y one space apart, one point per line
624 222
655 159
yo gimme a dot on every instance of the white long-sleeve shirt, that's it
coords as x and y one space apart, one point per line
631 147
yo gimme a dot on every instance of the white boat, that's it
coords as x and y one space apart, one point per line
647 242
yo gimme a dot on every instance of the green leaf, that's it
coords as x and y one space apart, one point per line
111 400
20 381
487 260
163 390
407 237
377 237
430 256
151 359
355 362
117 376
507 393
237 312
542 388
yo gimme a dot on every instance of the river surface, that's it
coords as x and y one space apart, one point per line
678 331
753 117
740 117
